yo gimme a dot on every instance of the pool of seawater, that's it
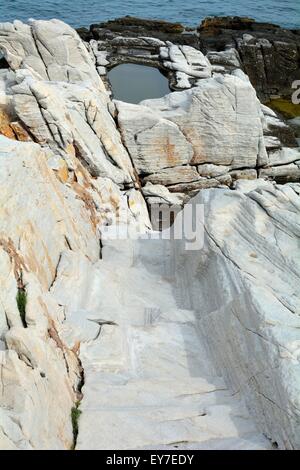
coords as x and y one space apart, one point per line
133 83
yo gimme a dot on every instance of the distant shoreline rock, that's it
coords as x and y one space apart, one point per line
268 53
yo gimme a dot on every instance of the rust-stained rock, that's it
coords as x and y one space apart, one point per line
20 132
5 124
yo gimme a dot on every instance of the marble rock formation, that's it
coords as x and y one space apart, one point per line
72 178
243 285
267 53
112 325
193 139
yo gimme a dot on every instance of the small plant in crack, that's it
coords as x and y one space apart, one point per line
21 303
75 415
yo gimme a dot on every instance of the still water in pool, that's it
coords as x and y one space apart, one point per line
133 83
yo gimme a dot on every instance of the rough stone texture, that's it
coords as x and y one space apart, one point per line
73 116
188 63
174 175
51 50
138 27
228 58
275 127
60 98
148 380
250 317
282 173
159 194
117 315
40 218
268 54
153 142
219 122
57 196
43 216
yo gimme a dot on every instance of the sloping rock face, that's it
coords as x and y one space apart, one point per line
250 317
50 49
149 382
226 308
59 190
71 114
40 218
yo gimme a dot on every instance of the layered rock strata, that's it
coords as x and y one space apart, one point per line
267 53
250 257
170 146
58 190
74 166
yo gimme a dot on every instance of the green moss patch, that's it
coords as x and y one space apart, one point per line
75 415
285 107
21 303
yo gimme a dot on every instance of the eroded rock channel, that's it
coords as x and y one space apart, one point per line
150 345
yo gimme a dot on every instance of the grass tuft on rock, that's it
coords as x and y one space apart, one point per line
21 303
75 415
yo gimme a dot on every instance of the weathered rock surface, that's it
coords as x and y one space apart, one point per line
57 195
217 123
60 98
73 118
269 54
250 255
145 366
51 50
189 64
158 381
77 307
38 221
129 26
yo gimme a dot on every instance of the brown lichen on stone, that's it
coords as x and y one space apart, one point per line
5 128
16 260
11 129
87 199
20 132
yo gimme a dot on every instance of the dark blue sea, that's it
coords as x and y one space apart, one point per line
190 12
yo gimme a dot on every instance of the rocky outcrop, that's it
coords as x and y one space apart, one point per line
60 98
188 64
269 55
134 24
193 139
38 222
212 148
136 27
50 50
44 214
58 191
77 310
143 355
250 317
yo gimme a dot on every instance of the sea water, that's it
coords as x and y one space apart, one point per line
189 12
